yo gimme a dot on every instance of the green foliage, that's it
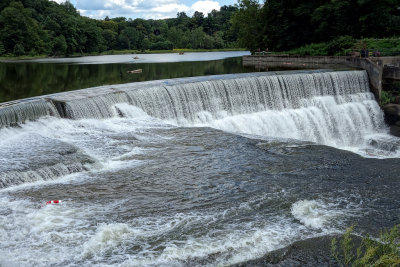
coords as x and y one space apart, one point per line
382 252
19 50
283 25
342 45
338 45
246 22
320 49
162 45
45 27
386 98
386 46
59 45
2 49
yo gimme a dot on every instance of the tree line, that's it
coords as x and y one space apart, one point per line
32 27
286 24
36 27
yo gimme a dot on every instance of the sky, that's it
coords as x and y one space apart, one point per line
146 9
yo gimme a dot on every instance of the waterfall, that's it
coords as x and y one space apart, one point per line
328 107
19 112
13 178
245 95
96 107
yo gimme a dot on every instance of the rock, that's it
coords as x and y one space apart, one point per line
310 252
392 109
392 113
395 129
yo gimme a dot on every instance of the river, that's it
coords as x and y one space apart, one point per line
203 171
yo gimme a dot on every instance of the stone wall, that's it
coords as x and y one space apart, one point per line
391 72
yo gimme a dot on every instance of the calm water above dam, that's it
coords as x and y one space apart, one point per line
22 79
194 172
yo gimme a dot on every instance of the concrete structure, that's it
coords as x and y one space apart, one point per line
391 73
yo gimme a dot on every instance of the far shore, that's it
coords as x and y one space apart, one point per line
122 52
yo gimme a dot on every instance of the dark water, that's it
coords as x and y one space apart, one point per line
33 78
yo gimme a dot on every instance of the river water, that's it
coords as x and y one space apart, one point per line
53 75
210 172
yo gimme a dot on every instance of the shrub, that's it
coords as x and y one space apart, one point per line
19 50
382 252
2 49
386 98
319 49
338 45
161 45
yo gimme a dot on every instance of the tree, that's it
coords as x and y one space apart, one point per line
59 45
2 49
246 22
19 50
18 27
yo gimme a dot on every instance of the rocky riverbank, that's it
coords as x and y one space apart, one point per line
309 252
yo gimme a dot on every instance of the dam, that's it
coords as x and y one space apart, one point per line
200 171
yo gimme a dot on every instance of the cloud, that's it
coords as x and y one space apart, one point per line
205 6
155 9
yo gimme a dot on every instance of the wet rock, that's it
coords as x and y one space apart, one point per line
310 252
395 129
392 113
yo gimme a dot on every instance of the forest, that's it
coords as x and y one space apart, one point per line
325 27
37 27
282 25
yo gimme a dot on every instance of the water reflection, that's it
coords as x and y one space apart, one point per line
27 79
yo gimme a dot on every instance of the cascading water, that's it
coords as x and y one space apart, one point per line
14 113
332 108
96 107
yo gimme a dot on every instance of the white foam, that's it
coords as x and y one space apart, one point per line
106 239
111 144
314 213
322 120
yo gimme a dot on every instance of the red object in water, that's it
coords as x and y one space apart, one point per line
53 202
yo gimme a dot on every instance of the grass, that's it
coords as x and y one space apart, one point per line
382 252
343 45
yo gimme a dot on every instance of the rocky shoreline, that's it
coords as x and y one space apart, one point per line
309 252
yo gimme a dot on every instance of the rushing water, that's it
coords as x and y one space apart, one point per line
209 171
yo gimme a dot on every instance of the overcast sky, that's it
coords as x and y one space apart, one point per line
147 9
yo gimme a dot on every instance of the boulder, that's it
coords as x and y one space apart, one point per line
395 130
392 113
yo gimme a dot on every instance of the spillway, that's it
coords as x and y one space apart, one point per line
333 108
